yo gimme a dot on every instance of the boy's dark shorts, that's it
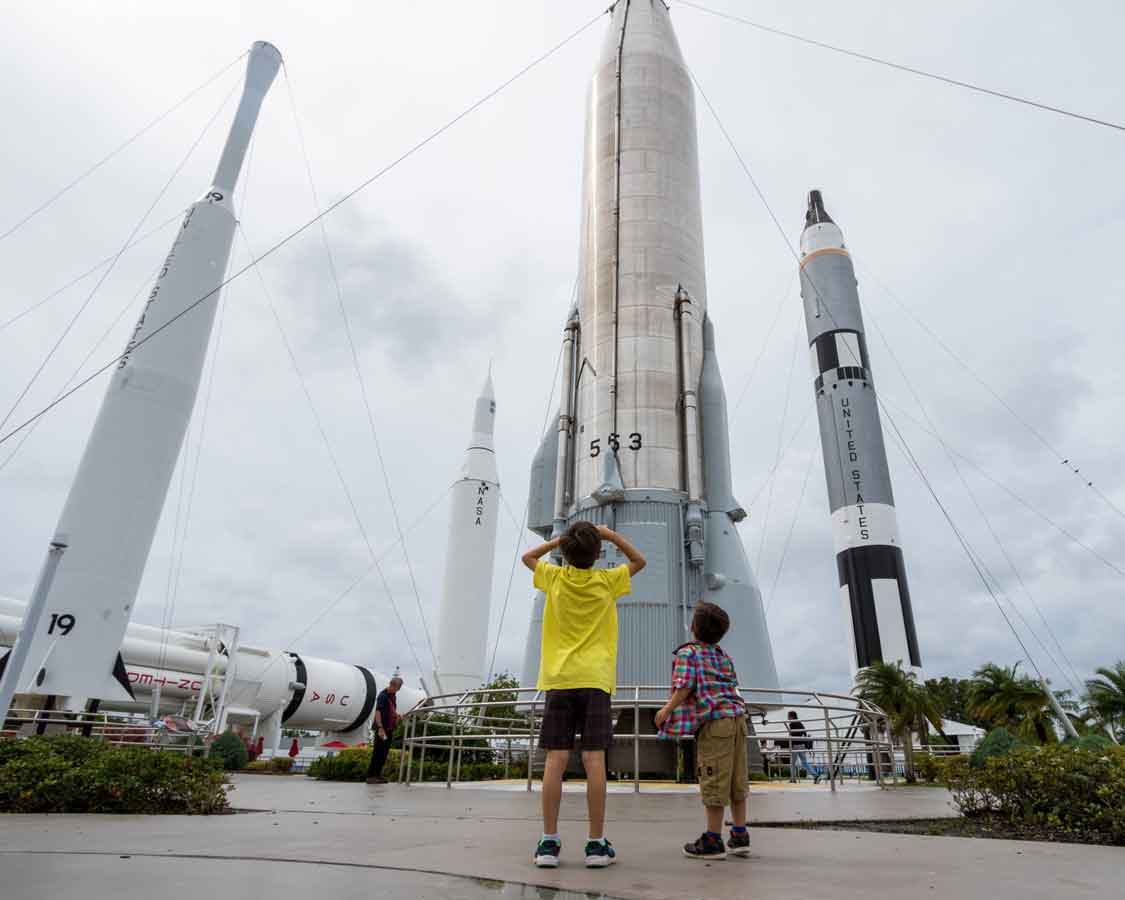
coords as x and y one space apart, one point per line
573 711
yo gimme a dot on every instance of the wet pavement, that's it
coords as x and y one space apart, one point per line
354 840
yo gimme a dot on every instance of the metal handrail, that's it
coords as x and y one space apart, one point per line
506 720
116 731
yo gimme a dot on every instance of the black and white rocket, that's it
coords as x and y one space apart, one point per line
864 526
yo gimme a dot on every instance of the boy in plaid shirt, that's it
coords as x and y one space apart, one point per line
705 702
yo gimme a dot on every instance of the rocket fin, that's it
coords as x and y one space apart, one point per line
612 488
122 677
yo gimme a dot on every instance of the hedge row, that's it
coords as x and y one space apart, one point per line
351 765
71 774
277 764
1068 789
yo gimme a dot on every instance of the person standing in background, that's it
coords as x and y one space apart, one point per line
386 717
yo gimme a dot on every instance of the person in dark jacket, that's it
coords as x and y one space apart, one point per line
386 716
799 745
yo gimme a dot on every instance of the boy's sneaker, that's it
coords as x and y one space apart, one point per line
547 854
706 846
739 844
600 854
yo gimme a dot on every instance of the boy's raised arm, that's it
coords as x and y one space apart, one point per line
531 557
635 557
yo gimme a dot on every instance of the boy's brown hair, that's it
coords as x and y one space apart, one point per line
710 623
581 545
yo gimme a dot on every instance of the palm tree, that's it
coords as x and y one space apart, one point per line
908 704
1004 698
1107 696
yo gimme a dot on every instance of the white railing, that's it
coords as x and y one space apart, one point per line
845 734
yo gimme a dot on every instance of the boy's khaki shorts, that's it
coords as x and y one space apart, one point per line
720 757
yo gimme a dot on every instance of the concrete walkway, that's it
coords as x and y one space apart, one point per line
343 841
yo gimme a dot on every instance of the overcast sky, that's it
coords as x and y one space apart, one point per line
995 224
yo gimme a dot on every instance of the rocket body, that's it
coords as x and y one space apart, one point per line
467 588
111 513
634 447
869 559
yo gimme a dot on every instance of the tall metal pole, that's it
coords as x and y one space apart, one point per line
22 647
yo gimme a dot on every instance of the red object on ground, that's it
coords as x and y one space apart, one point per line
293 748
336 745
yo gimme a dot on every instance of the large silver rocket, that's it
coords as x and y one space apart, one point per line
869 559
114 504
641 442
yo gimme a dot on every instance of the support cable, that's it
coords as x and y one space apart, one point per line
331 453
1073 538
432 136
1062 458
355 361
792 527
785 453
922 73
144 285
12 229
977 565
90 271
765 342
527 504
102 279
1075 681
359 579
780 440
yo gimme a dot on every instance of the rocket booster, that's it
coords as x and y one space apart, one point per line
114 504
467 590
641 442
869 559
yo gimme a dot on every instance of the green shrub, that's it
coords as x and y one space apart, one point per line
758 776
347 765
230 748
1096 742
257 765
281 764
351 765
1057 788
75 775
929 768
998 742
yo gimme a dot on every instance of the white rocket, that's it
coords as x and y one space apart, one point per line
467 590
268 688
114 504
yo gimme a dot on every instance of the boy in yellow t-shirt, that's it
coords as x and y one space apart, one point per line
578 670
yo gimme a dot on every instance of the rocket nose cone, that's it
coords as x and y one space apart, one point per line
816 213
263 65
487 391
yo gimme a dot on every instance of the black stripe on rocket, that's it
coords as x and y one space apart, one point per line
299 693
857 567
830 359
